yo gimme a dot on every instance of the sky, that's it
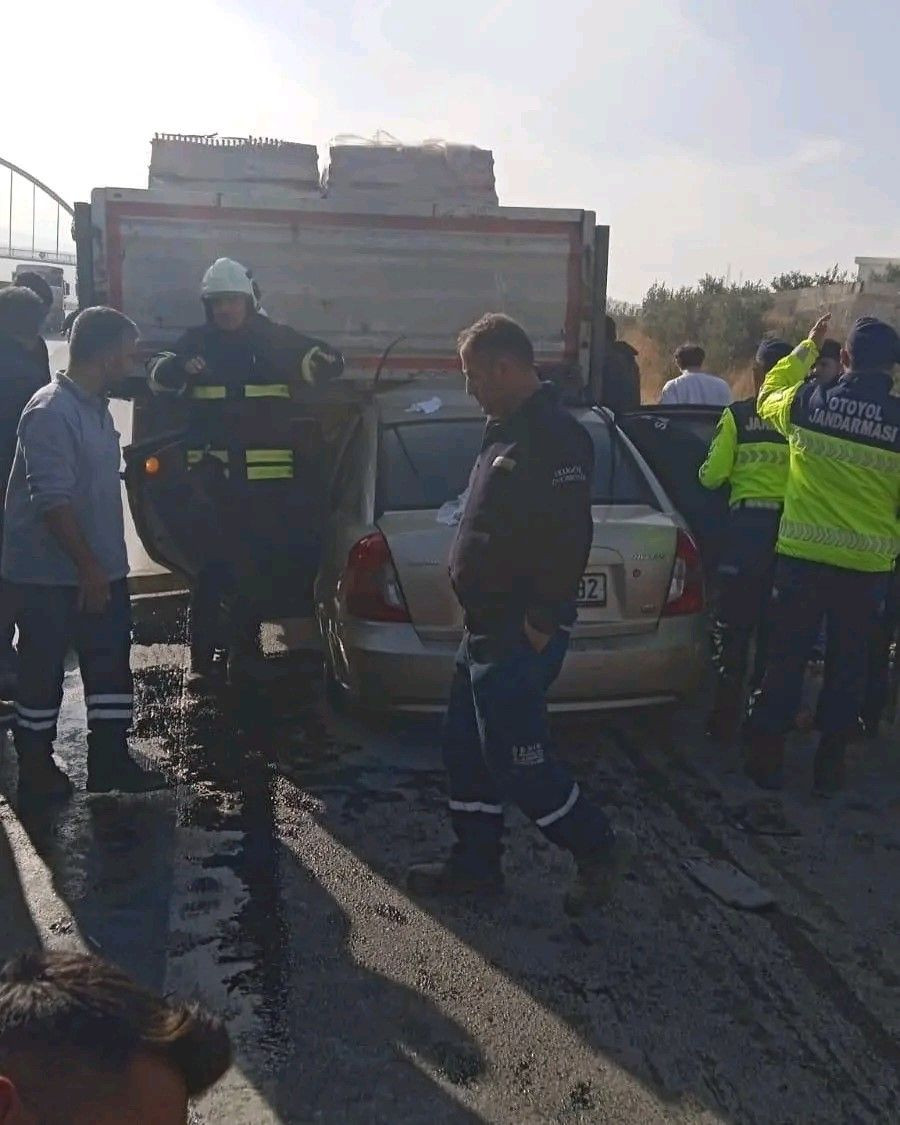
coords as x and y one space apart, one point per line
711 135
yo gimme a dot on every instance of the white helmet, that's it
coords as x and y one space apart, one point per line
226 275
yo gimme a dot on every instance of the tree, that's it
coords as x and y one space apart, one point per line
797 280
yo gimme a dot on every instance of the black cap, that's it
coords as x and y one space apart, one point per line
38 285
830 349
770 352
873 345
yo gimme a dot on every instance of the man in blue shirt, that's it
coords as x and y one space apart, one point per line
64 554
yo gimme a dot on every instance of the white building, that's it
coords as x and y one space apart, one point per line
870 268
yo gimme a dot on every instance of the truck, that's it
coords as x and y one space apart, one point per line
59 287
390 283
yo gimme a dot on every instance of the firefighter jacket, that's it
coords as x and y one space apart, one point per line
843 493
525 533
750 455
237 405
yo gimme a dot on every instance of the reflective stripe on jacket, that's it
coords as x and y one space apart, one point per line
843 493
747 453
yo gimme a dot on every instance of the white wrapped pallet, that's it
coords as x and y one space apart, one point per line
255 165
384 170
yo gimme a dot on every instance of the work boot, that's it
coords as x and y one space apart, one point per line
120 772
41 780
829 767
598 876
764 760
453 878
722 723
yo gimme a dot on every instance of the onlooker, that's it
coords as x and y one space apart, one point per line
694 386
828 368
22 372
38 285
83 1044
64 551
621 374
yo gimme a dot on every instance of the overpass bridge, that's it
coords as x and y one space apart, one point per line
50 242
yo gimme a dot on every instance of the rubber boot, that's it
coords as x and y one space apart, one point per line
598 876
111 767
764 760
829 767
41 781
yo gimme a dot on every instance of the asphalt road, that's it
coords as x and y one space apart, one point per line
269 883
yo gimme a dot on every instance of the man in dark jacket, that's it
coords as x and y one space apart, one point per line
520 550
22 372
621 374
237 371
38 285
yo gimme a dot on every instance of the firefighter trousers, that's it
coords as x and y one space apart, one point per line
49 625
497 747
806 593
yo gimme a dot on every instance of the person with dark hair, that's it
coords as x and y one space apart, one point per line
520 550
751 457
83 1044
837 542
22 372
827 368
236 371
39 286
621 374
64 555
694 386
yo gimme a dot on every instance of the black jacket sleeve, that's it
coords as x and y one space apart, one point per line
304 358
165 370
562 525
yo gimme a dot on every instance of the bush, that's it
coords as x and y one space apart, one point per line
727 319
797 280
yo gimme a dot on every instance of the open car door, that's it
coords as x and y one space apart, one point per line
674 441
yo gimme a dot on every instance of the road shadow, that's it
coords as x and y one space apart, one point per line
319 1034
711 1010
18 931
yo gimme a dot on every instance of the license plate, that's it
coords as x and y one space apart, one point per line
592 589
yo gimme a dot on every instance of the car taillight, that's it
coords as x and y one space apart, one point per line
370 584
686 586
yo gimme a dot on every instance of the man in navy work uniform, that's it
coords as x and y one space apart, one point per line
23 371
520 550
837 542
64 552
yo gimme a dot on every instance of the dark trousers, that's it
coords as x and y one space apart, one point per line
49 625
745 575
805 594
263 558
497 747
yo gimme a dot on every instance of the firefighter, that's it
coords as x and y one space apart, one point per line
236 371
837 542
751 456
520 550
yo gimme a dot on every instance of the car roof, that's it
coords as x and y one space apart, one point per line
437 400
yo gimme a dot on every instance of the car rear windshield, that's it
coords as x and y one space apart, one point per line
422 465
